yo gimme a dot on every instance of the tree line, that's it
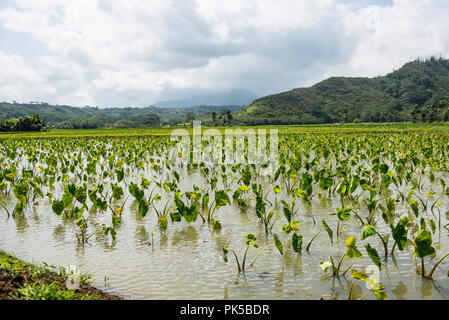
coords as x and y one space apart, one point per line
26 123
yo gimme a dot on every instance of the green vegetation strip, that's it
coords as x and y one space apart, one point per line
20 280
405 127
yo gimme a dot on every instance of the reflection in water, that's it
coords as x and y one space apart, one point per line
59 232
188 234
225 294
400 290
279 283
142 236
36 217
425 288
21 224
163 241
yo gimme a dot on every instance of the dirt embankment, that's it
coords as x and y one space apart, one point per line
15 274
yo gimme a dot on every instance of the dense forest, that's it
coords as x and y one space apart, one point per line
67 117
26 123
419 91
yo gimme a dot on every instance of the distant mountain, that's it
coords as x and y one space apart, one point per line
238 97
413 92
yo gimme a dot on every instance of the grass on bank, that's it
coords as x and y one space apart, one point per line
20 280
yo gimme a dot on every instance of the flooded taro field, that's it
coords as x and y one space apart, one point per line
338 216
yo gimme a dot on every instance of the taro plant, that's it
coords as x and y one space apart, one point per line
265 218
372 283
250 242
292 227
351 252
374 286
422 243
221 199
239 197
184 210
327 229
369 230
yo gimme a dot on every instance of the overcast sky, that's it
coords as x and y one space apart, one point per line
134 53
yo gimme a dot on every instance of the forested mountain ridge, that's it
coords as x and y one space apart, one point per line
417 91
67 117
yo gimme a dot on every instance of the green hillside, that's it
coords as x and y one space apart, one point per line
67 117
419 91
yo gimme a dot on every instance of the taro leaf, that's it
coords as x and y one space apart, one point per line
415 207
423 224
67 199
278 244
306 184
115 219
251 240
145 183
225 253
70 188
162 221
326 183
58 207
288 214
80 223
373 255
213 183
179 205
81 195
216 225
354 183
391 206
368 231
205 200
120 175
344 214
190 213
384 168
292 226
175 216
79 212
143 207
423 244
260 207
359 275
329 231
221 199
101 204
325 265
117 191
113 233
377 288
296 242
352 251
280 170
369 188
400 233
433 226
135 191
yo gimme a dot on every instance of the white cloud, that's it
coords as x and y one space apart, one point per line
132 52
